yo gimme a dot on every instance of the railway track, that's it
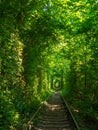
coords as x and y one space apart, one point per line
54 115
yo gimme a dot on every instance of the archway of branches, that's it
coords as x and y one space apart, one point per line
47 45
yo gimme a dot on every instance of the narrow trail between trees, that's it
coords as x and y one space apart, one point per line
55 115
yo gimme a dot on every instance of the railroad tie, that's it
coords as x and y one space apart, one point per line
54 115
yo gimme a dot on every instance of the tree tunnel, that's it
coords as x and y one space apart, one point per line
47 45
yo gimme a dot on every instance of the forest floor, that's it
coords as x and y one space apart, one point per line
86 123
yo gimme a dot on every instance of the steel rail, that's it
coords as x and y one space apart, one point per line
39 108
69 110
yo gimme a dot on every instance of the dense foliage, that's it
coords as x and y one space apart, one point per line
46 44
